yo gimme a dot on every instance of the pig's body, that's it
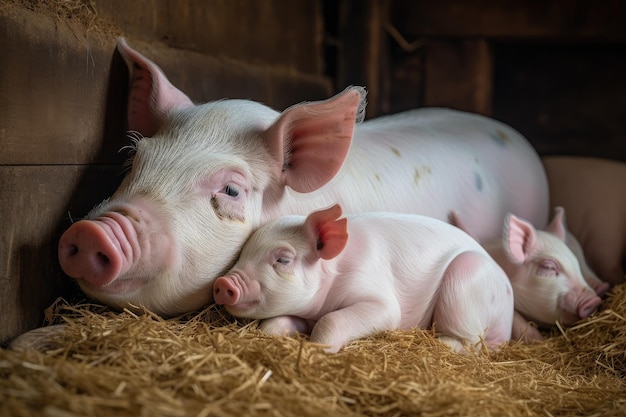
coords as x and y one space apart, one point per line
395 271
210 174
593 192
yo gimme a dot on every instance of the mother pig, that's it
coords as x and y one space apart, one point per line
206 175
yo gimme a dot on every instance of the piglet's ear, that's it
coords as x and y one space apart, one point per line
557 226
151 96
328 233
519 238
310 141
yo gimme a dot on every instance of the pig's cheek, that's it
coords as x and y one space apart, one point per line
164 253
566 307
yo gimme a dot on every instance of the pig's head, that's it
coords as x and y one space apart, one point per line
279 271
200 180
545 274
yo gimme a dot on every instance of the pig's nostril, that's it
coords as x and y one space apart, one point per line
231 293
105 259
72 250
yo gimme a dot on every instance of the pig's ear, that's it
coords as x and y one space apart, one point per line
519 238
328 233
151 95
557 226
310 141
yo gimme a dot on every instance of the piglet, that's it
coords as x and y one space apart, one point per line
342 279
546 276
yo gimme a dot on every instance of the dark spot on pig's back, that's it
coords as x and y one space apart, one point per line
500 137
478 181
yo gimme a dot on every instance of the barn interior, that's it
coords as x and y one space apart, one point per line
552 70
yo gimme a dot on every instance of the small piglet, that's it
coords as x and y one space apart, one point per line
546 276
342 279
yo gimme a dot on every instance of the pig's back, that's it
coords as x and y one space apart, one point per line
404 256
432 162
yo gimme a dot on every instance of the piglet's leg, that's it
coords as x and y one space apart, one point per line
475 301
338 328
285 326
523 331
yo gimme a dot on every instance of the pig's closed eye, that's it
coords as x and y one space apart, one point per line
282 258
548 268
231 190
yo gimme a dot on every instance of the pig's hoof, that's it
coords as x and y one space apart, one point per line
455 344
41 339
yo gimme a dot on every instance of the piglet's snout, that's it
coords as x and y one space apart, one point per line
95 251
588 304
225 291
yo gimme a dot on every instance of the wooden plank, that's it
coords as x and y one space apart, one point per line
538 19
63 94
34 206
459 75
567 99
360 48
276 33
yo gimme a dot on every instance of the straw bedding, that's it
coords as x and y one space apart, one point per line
105 363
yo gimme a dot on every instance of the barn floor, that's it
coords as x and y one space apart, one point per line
119 364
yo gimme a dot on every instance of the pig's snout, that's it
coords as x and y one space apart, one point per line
225 291
94 250
588 305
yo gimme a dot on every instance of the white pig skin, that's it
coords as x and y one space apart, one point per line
205 176
593 191
344 279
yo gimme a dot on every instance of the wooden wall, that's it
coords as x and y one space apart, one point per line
553 69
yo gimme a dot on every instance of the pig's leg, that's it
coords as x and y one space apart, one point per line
285 326
475 301
523 331
338 328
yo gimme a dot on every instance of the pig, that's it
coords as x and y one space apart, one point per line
203 177
547 279
342 279
593 191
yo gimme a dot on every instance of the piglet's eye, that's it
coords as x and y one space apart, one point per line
548 268
283 260
231 190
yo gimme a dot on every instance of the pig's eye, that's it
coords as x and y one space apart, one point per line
548 268
283 258
231 190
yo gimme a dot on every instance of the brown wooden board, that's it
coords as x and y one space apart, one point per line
459 75
63 94
566 98
36 204
539 19
271 32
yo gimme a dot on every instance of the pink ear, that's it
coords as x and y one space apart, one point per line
310 141
519 238
557 226
151 96
330 233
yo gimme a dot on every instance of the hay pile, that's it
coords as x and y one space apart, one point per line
105 363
